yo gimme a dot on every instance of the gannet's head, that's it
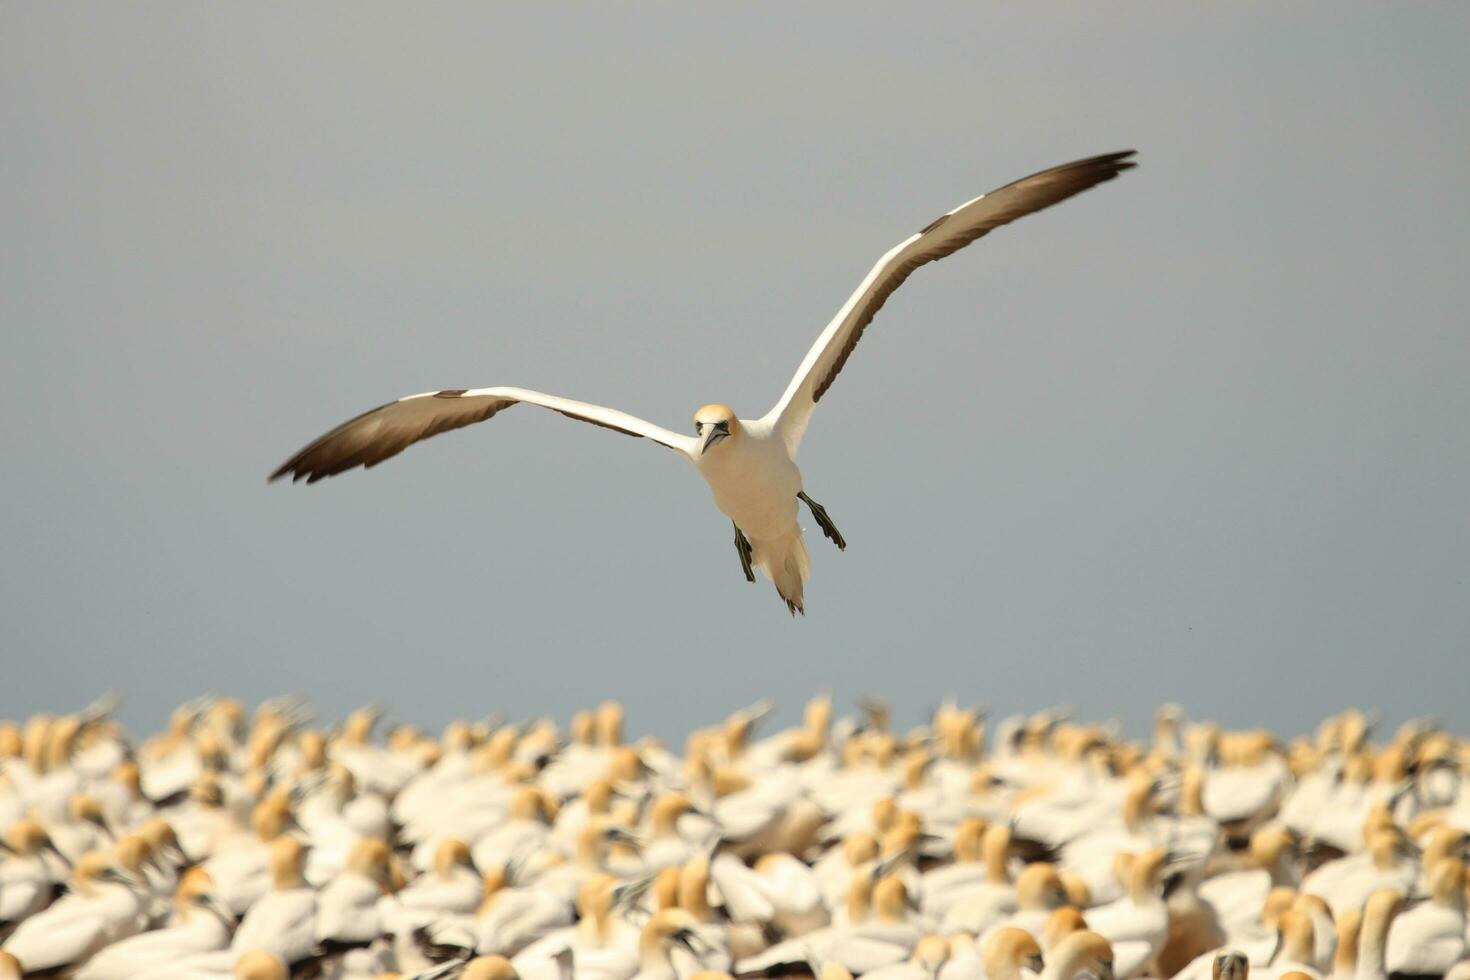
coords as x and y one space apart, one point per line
1086 950
931 953
490 968
288 863
131 853
258 964
1009 950
160 834
1061 924
371 858
26 837
196 890
714 424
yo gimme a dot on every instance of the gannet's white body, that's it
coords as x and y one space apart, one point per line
755 482
750 465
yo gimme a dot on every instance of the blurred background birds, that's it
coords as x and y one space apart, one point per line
264 844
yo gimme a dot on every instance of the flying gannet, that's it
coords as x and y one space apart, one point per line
749 464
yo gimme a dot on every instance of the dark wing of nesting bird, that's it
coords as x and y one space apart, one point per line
944 235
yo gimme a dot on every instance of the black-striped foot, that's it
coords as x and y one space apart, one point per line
824 522
742 547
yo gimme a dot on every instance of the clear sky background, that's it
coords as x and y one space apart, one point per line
1198 435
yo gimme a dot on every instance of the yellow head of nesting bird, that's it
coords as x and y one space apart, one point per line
1008 951
1084 950
490 968
258 964
715 424
371 858
26 836
666 930
1061 924
196 891
92 869
288 863
131 852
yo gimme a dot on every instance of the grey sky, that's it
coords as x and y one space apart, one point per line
1197 435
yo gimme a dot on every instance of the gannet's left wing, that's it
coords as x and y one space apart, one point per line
947 233
389 429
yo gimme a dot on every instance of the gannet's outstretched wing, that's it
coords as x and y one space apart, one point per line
390 429
947 233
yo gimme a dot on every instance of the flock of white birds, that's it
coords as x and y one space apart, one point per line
261 846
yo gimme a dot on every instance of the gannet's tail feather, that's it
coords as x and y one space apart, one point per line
785 562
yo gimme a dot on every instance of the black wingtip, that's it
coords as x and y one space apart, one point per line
1117 162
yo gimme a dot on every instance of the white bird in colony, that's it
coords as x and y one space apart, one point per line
1138 923
1347 882
836 869
452 886
1370 961
510 919
750 465
202 925
525 830
26 885
604 945
1257 946
1040 892
665 932
1002 957
103 908
1297 951
1083 953
981 903
795 894
972 869
283 920
877 933
1237 895
1430 938
240 865
347 912
929 958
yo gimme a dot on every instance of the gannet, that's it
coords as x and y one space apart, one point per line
749 464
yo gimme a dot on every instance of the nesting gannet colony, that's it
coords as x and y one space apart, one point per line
749 464
262 845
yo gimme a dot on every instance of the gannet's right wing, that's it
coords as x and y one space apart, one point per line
946 234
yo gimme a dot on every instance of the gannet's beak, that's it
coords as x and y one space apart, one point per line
712 435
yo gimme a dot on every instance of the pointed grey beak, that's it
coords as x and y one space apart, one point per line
712 435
